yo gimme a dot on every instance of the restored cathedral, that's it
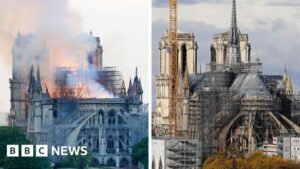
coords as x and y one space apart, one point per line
232 107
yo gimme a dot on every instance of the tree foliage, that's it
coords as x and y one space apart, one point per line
15 135
80 162
255 161
140 152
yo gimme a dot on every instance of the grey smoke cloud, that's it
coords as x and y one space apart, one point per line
55 42
54 32
88 80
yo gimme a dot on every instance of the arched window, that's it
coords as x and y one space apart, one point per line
110 142
124 163
111 113
111 117
163 90
94 162
158 90
120 145
111 163
160 164
153 163
183 58
213 53
101 114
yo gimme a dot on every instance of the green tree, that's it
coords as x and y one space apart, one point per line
80 162
15 135
140 152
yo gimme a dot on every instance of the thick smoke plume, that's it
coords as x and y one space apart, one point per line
51 22
55 37
55 40
85 81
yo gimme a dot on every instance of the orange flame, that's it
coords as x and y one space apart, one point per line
81 91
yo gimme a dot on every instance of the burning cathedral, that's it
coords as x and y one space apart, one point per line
87 106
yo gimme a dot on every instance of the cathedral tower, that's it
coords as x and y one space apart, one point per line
18 85
231 46
187 65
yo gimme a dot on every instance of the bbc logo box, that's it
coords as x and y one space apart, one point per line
12 150
26 150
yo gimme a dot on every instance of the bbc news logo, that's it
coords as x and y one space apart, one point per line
43 151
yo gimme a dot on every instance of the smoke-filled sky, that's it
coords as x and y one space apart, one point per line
121 25
273 27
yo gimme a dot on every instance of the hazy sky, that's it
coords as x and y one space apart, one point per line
273 27
121 25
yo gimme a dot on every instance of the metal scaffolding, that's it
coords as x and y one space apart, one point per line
74 82
182 154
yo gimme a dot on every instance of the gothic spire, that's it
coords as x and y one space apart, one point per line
38 80
123 89
129 87
130 83
289 88
136 71
233 55
233 39
285 79
136 79
284 69
31 80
